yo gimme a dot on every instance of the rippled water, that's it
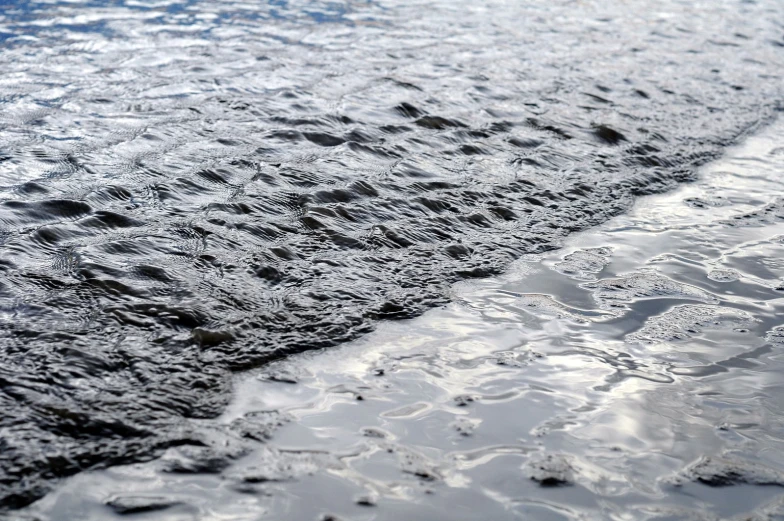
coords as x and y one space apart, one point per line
192 189
634 374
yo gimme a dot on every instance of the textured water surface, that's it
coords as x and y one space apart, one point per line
635 374
192 189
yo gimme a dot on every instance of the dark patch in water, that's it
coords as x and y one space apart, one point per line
718 471
126 505
608 135
553 470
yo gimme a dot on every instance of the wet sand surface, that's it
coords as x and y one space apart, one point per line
636 373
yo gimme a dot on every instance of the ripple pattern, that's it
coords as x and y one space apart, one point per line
192 189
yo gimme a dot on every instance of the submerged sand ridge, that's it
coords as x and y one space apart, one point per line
635 373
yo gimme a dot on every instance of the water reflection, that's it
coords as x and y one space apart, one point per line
192 190
22 20
616 377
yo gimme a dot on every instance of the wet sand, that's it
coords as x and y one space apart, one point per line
635 373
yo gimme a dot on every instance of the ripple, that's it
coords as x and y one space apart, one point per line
522 395
191 191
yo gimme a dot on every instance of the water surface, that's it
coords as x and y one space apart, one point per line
634 374
192 189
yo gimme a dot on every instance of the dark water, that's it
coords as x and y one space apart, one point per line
193 189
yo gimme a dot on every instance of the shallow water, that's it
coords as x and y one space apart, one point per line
189 190
634 374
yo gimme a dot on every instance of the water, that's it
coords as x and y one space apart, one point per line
190 190
634 374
